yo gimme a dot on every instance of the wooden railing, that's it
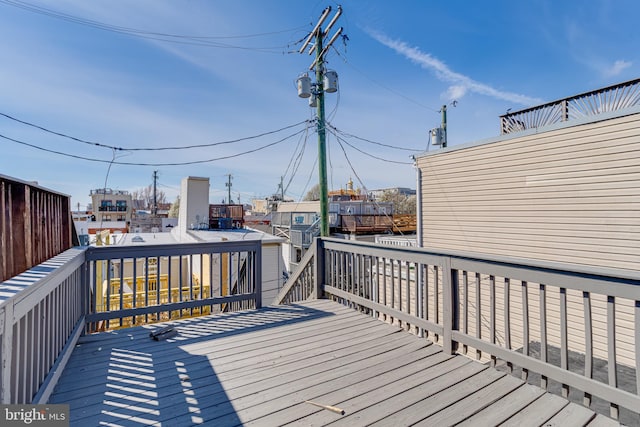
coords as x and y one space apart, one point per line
194 279
567 326
302 284
41 316
45 310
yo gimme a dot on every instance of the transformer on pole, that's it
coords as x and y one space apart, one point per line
326 81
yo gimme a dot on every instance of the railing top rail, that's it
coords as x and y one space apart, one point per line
172 249
55 269
609 274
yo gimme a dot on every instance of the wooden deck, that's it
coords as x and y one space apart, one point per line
259 368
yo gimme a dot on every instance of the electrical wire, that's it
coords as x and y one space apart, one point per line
304 190
185 147
348 135
152 35
153 164
368 154
364 187
297 162
295 155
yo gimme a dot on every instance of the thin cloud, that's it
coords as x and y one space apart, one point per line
461 84
617 67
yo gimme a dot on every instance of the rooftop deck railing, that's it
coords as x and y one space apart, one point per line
565 325
45 310
568 327
610 98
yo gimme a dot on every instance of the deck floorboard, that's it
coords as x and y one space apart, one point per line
262 367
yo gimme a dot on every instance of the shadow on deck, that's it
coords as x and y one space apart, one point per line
260 367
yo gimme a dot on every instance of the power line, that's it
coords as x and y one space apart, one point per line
153 35
185 147
152 164
360 180
340 140
348 135
298 160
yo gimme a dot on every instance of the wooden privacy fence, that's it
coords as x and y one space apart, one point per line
35 225
46 309
570 325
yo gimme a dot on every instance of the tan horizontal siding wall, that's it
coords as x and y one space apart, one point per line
568 195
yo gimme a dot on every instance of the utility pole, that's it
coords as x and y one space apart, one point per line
281 186
228 185
444 126
154 211
319 65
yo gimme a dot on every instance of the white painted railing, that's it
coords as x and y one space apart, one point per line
41 316
561 324
46 309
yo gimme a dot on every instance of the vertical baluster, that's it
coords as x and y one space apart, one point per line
375 284
507 319
392 266
407 292
108 290
355 271
400 293
417 293
18 353
544 383
478 314
637 339
29 354
525 326
159 283
121 289
465 308
611 350
492 309
134 262
384 284
588 343
564 339
190 278
436 298
37 344
425 291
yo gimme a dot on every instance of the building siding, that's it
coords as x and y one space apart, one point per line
568 195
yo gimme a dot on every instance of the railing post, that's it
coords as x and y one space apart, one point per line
258 275
450 305
6 321
319 269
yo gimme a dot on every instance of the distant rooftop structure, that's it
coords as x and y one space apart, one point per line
611 98
108 191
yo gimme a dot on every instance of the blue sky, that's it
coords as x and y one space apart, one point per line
403 60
